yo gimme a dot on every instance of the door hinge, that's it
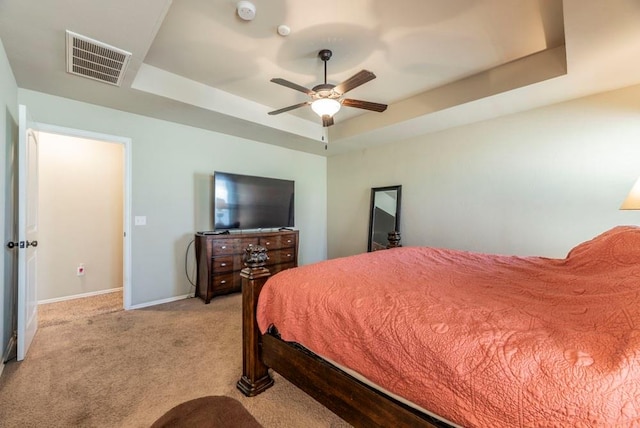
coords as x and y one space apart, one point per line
21 244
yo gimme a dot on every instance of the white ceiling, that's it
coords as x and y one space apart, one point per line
438 63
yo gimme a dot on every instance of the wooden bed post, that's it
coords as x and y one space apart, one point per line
255 374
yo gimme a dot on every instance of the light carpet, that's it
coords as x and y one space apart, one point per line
127 368
69 310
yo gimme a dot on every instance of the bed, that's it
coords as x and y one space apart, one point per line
417 336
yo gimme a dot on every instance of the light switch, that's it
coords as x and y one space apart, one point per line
140 220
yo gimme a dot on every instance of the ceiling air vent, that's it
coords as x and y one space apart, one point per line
96 60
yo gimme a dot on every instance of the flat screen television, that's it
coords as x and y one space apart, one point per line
248 202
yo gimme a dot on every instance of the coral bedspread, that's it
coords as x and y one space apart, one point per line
481 340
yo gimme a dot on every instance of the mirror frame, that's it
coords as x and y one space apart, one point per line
374 191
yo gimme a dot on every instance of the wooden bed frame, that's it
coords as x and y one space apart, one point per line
354 401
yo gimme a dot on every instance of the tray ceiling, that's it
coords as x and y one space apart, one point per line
438 64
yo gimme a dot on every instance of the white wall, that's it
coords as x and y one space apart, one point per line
169 164
8 134
534 183
80 215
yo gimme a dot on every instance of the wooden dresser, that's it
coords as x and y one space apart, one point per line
219 258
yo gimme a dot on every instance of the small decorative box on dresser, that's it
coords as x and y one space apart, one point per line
219 258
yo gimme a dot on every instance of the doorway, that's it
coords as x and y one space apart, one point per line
84 215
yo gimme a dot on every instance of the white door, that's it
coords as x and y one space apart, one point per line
27 232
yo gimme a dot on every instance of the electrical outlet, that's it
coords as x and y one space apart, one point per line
80 270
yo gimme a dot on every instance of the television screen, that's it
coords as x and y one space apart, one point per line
248 202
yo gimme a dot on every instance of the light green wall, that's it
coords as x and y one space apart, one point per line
171 164
8 120
533 183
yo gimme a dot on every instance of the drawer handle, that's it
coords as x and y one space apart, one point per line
223 264
267 243
224 247
224 281
288 241
288 255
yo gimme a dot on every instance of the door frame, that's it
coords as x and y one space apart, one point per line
126 142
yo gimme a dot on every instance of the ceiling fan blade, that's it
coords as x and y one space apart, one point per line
327 120
293 107
292 85
354 81
366 105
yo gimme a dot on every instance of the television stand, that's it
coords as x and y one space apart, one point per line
219 258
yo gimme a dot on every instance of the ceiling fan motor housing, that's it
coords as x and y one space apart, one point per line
325 90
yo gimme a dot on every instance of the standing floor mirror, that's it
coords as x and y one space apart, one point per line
384 216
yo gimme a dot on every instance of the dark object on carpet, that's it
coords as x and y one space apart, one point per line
208 412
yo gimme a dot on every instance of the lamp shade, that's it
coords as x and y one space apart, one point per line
632 202
325 106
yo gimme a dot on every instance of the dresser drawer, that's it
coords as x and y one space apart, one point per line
283 255
232 245
245 242
278 241
223 283
225 246
222 263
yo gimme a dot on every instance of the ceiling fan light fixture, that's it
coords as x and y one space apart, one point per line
326 106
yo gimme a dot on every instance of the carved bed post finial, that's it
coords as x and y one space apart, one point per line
394 239
255 256
255 375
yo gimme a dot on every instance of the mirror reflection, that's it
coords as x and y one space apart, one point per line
384 216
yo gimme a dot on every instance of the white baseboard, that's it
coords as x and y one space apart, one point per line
114 290
159 302
79 296
1 367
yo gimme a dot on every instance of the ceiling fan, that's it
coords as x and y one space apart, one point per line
326 99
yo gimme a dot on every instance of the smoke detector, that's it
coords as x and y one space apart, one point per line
246 10
284 30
